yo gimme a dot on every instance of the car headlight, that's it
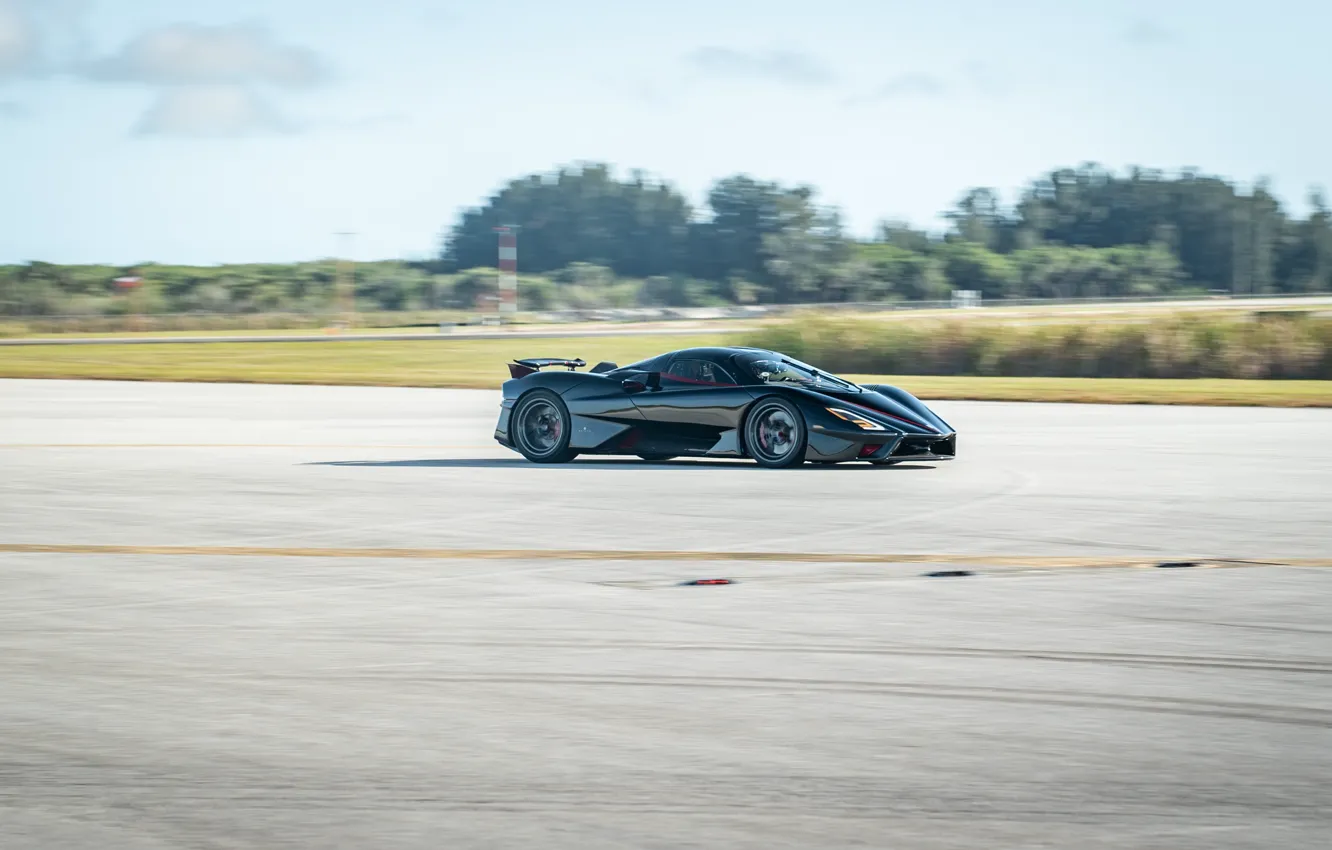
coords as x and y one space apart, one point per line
856 419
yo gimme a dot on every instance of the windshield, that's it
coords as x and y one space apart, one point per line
777 369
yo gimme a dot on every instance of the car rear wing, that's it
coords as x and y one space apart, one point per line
523 368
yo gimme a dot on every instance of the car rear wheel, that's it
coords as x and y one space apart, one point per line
541 428
775 433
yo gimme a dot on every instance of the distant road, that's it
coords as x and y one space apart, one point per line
629 330
713 326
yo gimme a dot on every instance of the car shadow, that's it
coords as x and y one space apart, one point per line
626 464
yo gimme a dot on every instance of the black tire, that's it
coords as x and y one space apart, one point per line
541 427
657 458
775 433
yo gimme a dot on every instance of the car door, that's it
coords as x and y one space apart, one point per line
695 392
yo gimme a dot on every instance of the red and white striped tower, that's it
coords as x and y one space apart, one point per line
508 269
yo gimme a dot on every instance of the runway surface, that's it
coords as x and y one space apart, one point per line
260 616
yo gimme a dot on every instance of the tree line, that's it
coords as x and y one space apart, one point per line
1073 232
588 238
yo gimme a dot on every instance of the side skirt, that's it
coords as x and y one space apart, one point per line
728 445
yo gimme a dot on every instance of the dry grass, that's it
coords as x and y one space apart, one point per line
1185 346
1211 392
444 363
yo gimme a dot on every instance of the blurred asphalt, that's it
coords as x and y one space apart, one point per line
389 700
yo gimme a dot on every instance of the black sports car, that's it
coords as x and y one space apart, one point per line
714 402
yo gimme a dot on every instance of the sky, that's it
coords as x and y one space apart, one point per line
214 131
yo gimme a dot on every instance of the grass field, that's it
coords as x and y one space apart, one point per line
481 364
1213 392
445 363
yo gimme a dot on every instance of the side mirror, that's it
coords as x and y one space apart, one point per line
644 381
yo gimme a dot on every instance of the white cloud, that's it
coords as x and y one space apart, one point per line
782 66
218 111
207 81
17 39
39 37
211 56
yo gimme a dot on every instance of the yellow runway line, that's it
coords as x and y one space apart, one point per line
1046 562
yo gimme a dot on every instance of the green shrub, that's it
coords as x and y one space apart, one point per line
1185 346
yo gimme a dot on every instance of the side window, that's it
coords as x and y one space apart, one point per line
698 373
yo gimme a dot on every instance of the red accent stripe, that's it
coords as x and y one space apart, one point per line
678 379
631 439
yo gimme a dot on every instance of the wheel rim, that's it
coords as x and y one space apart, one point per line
541 428
775 433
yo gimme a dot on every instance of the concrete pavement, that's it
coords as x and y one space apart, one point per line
209 700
